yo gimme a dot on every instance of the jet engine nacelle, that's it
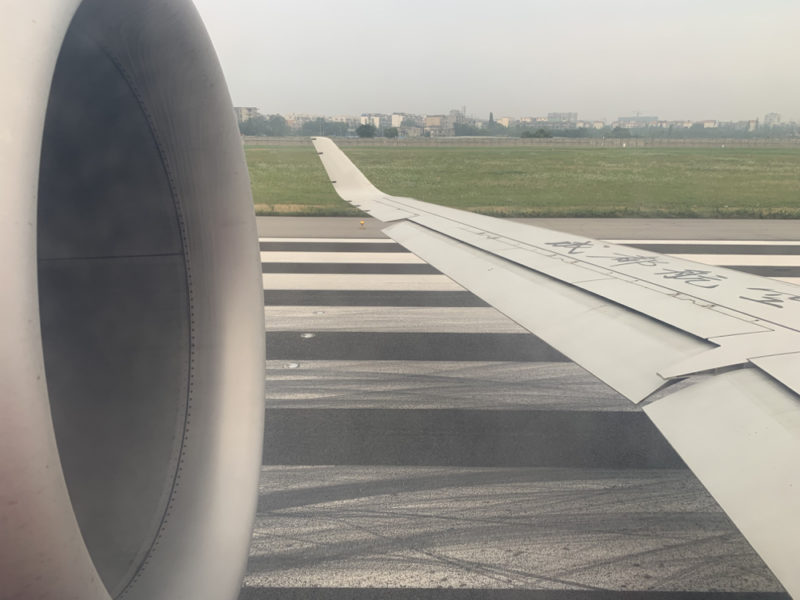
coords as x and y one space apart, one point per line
131 310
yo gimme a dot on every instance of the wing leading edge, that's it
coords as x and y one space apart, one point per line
640 321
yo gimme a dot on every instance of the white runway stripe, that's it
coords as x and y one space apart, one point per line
614 241
710 242
438 384
341 257
328 240
724 260
294 281
400 282
627 241
388 319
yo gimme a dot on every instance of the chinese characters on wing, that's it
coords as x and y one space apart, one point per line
771 297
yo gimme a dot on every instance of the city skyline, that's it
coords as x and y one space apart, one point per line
728 60
767 118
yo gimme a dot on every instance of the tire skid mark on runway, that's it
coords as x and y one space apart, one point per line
583 529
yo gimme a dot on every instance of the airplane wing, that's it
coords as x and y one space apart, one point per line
710 354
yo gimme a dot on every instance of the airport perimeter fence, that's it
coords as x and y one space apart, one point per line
486 141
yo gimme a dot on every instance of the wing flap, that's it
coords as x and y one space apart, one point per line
783 367
696 317
739 432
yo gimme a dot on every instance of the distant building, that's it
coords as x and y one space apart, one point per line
772 119
637 121
350 121
562 117
410 131
673 124
504 121
438 126
297 120
433 121
457 116
739 126
245 113
668 124
378 120
407 120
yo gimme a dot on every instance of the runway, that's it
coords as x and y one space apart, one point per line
420 445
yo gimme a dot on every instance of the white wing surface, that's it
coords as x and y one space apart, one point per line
641 321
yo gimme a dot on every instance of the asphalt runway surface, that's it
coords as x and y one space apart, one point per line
418 444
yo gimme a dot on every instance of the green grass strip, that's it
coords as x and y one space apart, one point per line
543 182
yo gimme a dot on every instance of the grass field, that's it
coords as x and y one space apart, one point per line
544 182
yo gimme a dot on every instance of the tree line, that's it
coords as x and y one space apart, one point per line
276 125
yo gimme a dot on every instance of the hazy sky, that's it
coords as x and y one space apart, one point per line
676 59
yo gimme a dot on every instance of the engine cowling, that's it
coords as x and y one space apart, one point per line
132 351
